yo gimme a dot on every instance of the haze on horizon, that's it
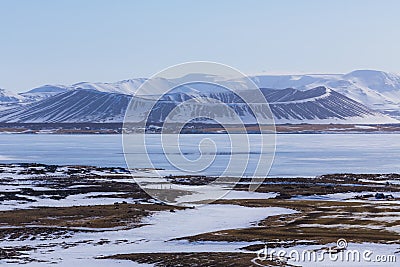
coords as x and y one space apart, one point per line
54 42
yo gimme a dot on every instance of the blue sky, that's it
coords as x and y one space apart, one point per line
47 42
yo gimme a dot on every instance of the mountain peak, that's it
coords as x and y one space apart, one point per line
377 80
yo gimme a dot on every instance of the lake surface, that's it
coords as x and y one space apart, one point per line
296 154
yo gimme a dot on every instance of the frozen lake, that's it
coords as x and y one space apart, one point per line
296 154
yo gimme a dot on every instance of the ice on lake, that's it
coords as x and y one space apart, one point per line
296 154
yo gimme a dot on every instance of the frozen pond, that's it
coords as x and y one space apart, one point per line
296 154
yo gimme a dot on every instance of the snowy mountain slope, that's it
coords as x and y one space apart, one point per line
375 89
376 80
43 92
318 105
350 98
120 87
127 87
9 97
71 106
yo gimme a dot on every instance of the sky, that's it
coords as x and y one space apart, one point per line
65 42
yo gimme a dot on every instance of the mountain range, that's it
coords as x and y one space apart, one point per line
362 96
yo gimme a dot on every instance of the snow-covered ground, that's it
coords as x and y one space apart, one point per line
155 237
161 231
349 196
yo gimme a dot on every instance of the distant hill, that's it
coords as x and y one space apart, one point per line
362 96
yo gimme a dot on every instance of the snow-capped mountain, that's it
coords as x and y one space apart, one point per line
318 105
43 92
128 87
376 89
71 106
9 97
357 97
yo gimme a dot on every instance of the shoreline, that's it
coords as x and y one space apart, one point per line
118 128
